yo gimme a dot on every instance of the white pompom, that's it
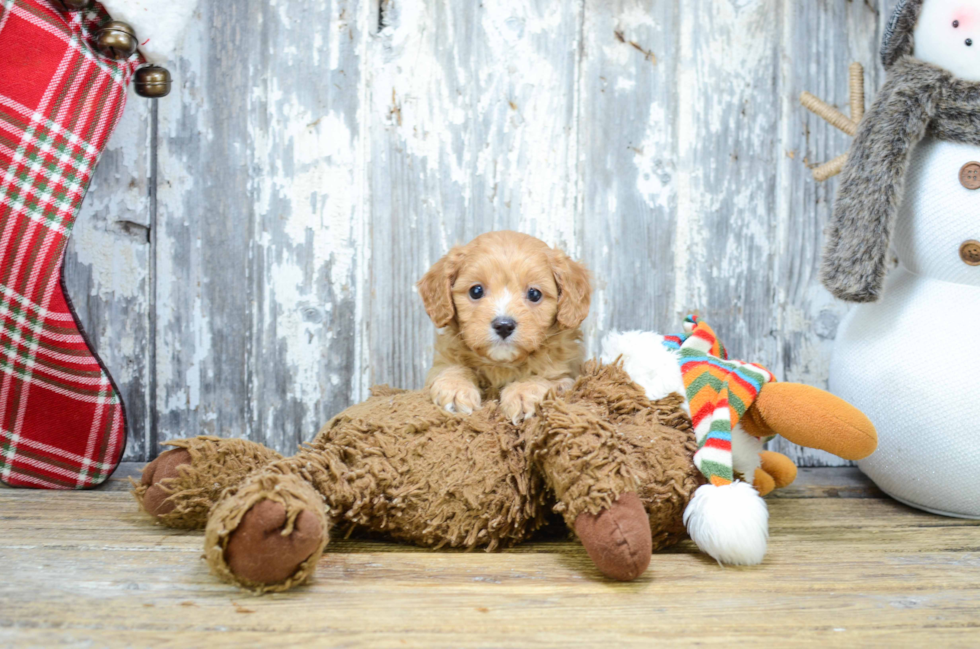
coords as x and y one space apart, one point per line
730 523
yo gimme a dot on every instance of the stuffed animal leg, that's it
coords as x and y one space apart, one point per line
180 487
619 467
614 464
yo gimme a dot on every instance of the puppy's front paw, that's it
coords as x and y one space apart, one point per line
455 394
519 400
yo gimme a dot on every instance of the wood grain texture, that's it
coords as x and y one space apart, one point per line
473 129
859 571
259 216
826 36
628 163
316 157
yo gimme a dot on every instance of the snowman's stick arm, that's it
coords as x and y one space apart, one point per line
829 169
857 92
832 116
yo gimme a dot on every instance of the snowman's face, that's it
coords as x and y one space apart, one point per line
948 35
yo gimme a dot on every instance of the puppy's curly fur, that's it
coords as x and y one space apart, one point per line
498 275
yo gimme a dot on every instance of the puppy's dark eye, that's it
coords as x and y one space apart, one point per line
969 42
534 295
476 292
956 24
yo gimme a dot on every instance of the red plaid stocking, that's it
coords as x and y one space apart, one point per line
61 418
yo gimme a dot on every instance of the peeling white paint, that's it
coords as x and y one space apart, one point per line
109 235
362 156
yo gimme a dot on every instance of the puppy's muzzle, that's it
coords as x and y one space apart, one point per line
504 326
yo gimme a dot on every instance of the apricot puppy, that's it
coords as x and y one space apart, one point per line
509 309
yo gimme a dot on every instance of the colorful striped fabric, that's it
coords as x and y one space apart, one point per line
719 391
62 424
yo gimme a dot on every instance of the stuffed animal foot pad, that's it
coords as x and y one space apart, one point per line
151 493
269 534
263 549
618 539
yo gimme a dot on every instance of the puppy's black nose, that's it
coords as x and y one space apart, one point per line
503 326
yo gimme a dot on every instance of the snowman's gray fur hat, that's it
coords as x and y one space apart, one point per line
898 40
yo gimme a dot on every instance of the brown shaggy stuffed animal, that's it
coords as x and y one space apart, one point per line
615 465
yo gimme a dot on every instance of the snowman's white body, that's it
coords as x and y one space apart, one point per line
911 361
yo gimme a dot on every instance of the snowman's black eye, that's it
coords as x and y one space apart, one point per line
534 295
956 23
476 292
969 42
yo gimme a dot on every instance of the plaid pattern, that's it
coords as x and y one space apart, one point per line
719 391
62 424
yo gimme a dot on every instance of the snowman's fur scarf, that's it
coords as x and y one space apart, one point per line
917 98
898 37
729 523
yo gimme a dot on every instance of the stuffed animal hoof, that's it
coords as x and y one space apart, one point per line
155 498
262 551
618 539
269 534
780 468
776 471
763 482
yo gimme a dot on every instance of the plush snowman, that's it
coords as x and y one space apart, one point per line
908 356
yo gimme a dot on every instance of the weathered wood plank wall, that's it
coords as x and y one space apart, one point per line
317 156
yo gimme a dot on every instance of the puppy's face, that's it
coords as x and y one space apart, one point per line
506 292
506 300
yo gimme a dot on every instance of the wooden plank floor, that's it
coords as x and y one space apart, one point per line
846 567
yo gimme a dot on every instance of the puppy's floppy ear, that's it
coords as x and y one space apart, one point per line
574 289
436 287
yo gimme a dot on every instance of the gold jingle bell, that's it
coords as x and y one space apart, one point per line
116 40
152 81
74 5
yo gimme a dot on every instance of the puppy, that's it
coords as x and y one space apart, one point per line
509 308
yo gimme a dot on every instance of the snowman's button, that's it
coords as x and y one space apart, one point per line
970 253
970 175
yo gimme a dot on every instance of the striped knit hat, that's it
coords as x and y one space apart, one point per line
719 391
